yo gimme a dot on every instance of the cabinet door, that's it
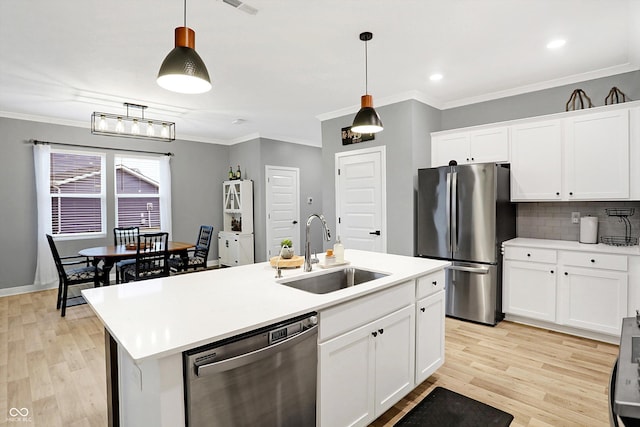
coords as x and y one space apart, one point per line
430 313
346 379
489 145
536 161
395 357
529 290
450 147
224 255
597 156
592 299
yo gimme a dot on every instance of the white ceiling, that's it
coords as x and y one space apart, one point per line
297 62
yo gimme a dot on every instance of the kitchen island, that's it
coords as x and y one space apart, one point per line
149 324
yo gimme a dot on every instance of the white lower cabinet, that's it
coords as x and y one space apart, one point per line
578 289
531 289
235 248
593 299
366 371
430 313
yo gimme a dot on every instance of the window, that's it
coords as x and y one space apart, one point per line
77 189
138 192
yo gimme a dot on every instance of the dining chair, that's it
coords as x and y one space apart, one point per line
152 258
88 273
196 258
124 236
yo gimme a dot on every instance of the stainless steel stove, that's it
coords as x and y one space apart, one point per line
624 387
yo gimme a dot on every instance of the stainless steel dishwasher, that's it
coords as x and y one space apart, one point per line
266 377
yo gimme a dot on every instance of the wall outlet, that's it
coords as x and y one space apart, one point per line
575 217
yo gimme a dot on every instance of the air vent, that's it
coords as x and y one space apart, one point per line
242 6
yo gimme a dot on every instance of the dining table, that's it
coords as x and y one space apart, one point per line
111 254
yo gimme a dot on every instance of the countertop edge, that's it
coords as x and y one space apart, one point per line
570 245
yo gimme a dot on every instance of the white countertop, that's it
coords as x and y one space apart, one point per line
159 317
570 245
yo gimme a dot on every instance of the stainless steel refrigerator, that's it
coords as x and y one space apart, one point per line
464 215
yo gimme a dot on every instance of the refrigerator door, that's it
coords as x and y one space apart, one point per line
472 292
434 216
474 213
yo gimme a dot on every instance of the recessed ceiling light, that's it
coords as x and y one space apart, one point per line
238 121
435 77
555 44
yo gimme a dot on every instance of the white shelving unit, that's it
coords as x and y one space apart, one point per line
235 242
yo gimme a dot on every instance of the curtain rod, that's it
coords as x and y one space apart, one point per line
36 142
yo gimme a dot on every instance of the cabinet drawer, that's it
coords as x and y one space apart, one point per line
594 260
430 284
530 254
350 315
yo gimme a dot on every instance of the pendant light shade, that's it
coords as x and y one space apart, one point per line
367 119
183 70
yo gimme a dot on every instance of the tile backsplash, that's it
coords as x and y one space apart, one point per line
552 220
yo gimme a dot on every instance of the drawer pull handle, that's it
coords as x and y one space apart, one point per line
593 260
566 274
374 333
528 254
381 331
423 309
434 283
551 271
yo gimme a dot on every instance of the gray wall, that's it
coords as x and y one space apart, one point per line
197 172
406 131
262 152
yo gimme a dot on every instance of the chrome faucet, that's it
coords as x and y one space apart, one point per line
307 243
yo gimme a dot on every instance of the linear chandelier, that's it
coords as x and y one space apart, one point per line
127 126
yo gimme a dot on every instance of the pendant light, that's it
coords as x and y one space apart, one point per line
183 70
367 120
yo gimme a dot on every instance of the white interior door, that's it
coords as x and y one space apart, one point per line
361 199
283 208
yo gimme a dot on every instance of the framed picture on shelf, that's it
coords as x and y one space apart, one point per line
349 137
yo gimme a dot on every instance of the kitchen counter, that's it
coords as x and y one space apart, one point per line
161 317
568 245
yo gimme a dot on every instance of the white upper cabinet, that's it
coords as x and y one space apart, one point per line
477 146
536 161
597 156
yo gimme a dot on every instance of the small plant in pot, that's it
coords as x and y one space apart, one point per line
286 249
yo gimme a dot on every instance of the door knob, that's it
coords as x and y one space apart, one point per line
377 232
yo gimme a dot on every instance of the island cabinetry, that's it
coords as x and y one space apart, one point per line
366 356
593 291
531 277
475 146
430 314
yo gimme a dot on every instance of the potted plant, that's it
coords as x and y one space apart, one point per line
286 249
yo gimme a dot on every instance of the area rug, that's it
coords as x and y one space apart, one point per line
444 407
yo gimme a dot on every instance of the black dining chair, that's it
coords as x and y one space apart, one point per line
152 258
196 258
67 276
124 236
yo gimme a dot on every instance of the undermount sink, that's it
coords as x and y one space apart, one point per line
334 280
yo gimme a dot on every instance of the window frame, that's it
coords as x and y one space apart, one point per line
102 196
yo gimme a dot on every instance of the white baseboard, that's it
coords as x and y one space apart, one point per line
26 289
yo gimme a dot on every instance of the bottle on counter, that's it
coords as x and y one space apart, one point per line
231 174
338 251
238 173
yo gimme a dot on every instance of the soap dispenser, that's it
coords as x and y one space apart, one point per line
338 251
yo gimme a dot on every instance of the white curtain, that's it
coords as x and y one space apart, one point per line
45 267
165 194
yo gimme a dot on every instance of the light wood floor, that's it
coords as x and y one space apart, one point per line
55 368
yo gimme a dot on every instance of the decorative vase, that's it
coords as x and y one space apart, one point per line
287 252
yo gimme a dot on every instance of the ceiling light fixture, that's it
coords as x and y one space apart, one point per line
183 70
435 77
555 44
366 120
130 126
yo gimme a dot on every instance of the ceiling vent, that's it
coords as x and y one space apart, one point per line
242 6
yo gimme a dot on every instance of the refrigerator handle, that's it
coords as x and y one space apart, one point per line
448 203
454 212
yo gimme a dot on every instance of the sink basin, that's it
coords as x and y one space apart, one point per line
334 280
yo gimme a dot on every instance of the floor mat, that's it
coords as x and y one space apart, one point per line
444 407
